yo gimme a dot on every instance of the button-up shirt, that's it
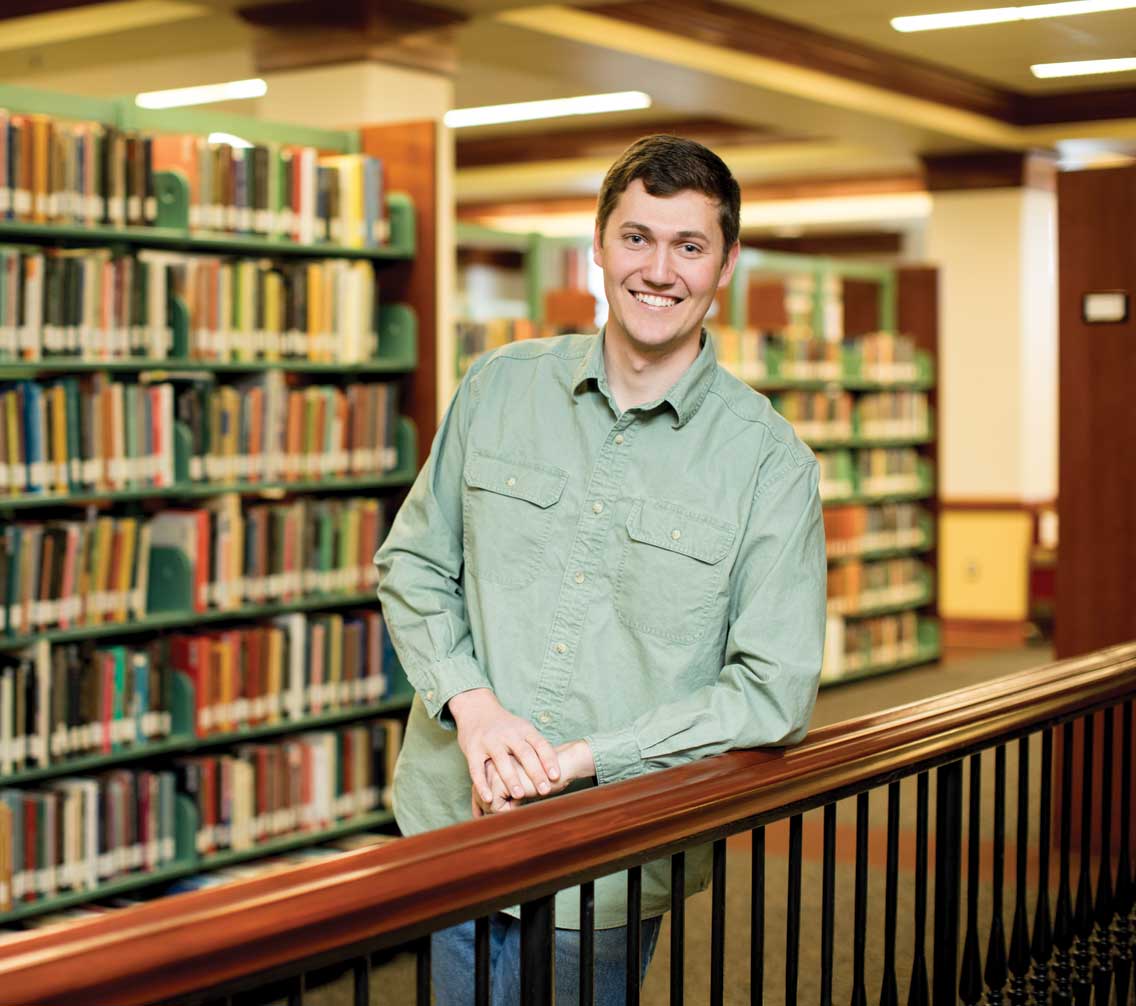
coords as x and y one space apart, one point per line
650 580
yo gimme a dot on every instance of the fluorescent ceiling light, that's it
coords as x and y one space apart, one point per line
205 94
230 139
1082 68
554 108
1000 15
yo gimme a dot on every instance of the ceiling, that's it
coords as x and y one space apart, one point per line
824 88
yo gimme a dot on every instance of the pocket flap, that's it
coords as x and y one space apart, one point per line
677 529
523 480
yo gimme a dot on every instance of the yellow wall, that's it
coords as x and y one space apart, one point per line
984 564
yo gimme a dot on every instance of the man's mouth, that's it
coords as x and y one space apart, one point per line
656 300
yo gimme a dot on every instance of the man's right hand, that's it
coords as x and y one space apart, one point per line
488 732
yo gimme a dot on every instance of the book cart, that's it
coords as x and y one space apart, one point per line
822 338
101 749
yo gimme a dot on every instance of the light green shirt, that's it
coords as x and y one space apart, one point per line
652 581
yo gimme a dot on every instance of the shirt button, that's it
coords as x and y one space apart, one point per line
618 439
430 696
544 717
676 534
561 647
580 577
510 482
597 507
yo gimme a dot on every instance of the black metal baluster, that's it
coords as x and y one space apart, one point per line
634 932
1063 913
361 981
828 904
793 912
1103 910
757 918
296 991
918 992
481 961
538 935
948 870
970 978
588 943
1083 913
889 991
422 971
995 973
678 927
1041 948
1121 930
1019 961
860 909
718 926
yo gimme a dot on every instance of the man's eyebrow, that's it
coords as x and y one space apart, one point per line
681 235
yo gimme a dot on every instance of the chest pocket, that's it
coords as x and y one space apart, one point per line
507 508
671 577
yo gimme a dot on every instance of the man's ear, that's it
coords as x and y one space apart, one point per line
731 263
597 245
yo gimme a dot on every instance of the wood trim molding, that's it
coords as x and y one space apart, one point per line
984 633
1004 170
602 141
377 897
734 27
835 244
997 505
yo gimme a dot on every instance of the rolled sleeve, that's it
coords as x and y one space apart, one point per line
420 571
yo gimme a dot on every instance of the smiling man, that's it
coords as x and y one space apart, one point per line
612 562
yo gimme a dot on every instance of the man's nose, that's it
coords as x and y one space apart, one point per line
658 269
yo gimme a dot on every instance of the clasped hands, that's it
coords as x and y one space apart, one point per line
509 760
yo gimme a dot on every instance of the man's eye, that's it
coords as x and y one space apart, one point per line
635 239
691 249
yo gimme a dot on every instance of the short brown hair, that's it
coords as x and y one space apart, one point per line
667 164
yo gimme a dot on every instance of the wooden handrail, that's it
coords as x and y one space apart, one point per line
167 948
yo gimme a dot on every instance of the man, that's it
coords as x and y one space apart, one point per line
612 562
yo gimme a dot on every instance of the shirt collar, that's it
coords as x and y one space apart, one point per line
685 396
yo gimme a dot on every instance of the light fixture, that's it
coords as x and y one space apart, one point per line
204 94
1083 67
524 111
230 139
1001 15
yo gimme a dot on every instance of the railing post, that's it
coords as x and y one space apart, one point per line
948 869
537 948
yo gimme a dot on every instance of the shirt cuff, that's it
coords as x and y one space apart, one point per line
616 755
446 679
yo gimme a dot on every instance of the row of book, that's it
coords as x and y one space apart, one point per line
853 530
885 356
77 834
859 586
66 701
268 428
82 303
477 337
89 174
852 646
97 304
95 433
893 414
64 574
838 415
89 433
324 311
289 668
279 191
52 171
817 415
876 471
785 305
300 783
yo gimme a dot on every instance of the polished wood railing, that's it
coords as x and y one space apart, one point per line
206 945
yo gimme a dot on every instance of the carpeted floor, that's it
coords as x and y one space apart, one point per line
393 983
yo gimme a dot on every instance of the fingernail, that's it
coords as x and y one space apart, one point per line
553 774
487 795
543 787
518 792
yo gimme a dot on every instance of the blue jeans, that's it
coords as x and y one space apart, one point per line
452 963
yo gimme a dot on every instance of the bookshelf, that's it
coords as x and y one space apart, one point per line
804 331
326 614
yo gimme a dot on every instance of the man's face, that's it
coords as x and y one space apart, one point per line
662 263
